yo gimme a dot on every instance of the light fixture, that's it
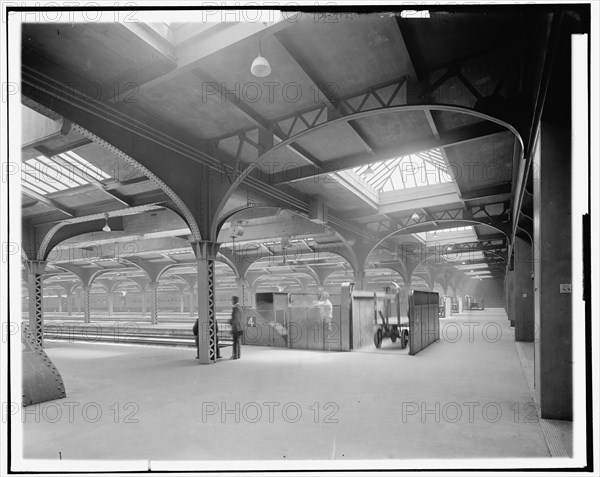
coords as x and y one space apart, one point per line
414 216
368 172
237 230
106 227
260 66
435 233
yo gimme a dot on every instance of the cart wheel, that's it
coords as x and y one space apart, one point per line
404 340
378 338
394 338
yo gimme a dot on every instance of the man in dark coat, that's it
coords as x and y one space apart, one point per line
236 326
195 330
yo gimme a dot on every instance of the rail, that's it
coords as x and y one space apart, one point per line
129 333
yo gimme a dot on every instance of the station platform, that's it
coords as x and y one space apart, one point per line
464 397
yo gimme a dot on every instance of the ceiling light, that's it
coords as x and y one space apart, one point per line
106 227
414 216
260 66
237 230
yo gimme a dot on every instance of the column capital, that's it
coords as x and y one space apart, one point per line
205 249
35 267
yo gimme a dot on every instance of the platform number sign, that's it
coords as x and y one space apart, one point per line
251 322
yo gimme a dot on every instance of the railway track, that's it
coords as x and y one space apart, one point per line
127 333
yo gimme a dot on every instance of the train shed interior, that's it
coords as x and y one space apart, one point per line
391 193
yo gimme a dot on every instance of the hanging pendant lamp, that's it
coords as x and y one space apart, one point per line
260 66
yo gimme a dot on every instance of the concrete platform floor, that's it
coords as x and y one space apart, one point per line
463 397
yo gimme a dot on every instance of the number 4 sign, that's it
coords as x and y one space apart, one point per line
251 322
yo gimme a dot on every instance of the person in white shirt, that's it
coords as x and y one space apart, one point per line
326 312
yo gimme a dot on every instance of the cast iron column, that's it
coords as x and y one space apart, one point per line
154 302
35 270
86 303
206 253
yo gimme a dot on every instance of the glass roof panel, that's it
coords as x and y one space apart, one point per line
32 184
434 233
58 176
472 266
32 177
478 272
79 162
67 170
415 170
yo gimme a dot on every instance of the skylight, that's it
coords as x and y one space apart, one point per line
463 256
472 266
433 233
65 171
405 172
478 272
415 14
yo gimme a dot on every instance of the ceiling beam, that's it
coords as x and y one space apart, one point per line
453 137
49 202
487 192
262 124
188 55
294 59
413 73
151 37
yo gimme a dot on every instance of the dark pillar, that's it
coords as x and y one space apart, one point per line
523 290
206 253
35 270
87 289
552 236
243 292
59 298
143 296
110 299
509 291
154 302
69 303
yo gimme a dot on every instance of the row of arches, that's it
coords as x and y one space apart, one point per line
130 297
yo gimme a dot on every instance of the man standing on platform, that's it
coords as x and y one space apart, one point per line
236 326
195 330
